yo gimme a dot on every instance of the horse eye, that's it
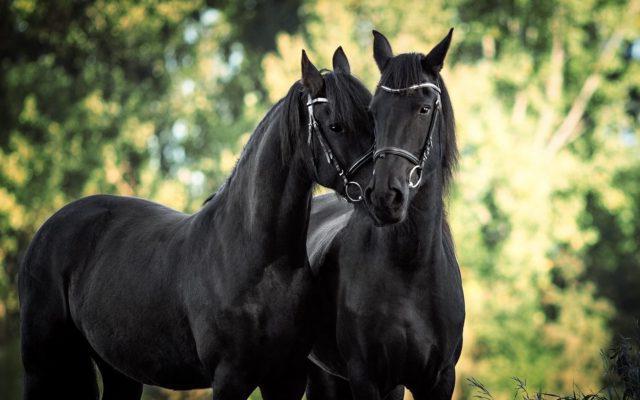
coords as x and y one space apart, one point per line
424 109
337 127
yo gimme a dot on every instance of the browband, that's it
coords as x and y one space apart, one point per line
412 87
316 100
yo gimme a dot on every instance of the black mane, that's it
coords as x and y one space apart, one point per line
405 70
348 99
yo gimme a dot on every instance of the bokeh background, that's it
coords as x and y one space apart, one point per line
156 98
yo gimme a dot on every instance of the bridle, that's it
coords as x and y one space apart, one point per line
314 127
419 162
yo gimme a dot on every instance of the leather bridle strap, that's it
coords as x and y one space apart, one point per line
360 162
313 123
331 159
380 153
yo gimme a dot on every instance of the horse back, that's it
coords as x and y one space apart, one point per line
67 240
329 215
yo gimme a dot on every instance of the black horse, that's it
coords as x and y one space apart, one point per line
220 298
392 307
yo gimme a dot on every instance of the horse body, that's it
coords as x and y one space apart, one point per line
221 298
390 285
391 300
211 288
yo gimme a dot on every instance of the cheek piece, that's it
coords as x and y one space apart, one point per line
352 189
415 175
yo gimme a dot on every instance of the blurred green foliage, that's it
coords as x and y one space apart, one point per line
156 98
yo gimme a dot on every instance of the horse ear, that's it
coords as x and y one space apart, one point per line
382 52
340 62
435 59
311 77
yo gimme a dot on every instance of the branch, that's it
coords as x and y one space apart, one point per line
548 114
568 129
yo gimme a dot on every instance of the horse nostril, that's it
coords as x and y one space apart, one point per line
396 199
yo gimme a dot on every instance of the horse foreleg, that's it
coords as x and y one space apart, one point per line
396 394
363 387
229 383
118 386
322 385
289 385
443 389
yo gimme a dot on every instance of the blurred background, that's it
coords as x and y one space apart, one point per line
156 98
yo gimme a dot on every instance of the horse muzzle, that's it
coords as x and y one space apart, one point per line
387 204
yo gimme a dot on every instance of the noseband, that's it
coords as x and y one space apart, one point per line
314 127
419 162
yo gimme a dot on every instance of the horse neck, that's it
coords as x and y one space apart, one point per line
418 239
426 213
265 202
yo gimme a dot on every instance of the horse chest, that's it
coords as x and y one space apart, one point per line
409 333
268 322
285 301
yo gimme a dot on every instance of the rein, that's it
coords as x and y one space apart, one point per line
314 127
419 162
